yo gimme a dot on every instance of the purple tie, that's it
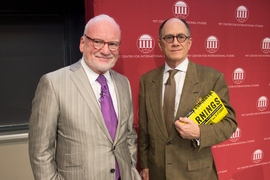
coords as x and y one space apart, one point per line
108 111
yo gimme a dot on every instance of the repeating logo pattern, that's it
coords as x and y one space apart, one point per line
257 156
180 9
212 49
236 135
145 43
241 14
265 45
238 76
211 44
262 103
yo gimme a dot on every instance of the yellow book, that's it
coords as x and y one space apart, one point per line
209 110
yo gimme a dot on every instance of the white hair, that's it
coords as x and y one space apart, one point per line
98 18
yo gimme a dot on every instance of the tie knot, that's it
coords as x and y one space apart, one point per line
172 72
102 80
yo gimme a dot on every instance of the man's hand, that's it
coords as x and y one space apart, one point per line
145 174
187 128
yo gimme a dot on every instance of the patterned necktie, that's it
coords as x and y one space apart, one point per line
108 112
169 100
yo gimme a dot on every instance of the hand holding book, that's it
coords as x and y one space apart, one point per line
209 110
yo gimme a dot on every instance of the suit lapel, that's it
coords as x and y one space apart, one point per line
155 90
190 94
81 81
119 98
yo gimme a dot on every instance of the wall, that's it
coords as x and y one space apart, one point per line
36 37
14 160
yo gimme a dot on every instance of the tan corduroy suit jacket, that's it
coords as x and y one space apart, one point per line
169 156
68 138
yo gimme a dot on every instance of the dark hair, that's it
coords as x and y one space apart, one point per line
164 22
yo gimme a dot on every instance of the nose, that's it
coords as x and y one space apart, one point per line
105 49
175 41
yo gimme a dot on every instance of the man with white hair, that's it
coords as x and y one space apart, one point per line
81 126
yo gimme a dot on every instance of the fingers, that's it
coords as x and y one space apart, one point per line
187 128
181 121
145 174
185 120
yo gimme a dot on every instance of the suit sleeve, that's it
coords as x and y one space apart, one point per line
42 131
219 132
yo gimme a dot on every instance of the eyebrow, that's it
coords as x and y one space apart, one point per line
176 34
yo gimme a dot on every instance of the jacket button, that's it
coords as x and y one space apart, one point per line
168 143
112 170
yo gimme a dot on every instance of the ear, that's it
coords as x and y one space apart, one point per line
189 43
81 46
159 44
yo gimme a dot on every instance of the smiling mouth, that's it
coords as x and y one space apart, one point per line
104 57
176 50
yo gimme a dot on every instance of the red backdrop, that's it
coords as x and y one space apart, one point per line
230 36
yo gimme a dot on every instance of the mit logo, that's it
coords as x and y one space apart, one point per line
241 14
266 45
238 76
262 103
236 135
145 43
180 9
257 156
211 44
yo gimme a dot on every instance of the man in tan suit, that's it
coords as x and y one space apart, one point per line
68 138
184 151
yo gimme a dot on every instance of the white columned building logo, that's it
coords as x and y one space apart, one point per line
180 9
265 45
241 14
236 135
212 44
145 43
257 156
238 76
262 103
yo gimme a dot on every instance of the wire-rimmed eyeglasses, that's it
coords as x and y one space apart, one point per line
180 38
99 44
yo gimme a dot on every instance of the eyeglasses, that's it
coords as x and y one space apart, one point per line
180 38
99 44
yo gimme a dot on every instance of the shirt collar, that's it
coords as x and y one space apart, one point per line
181 67
92 76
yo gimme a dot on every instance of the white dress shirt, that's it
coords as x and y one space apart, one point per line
92 77
179 81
